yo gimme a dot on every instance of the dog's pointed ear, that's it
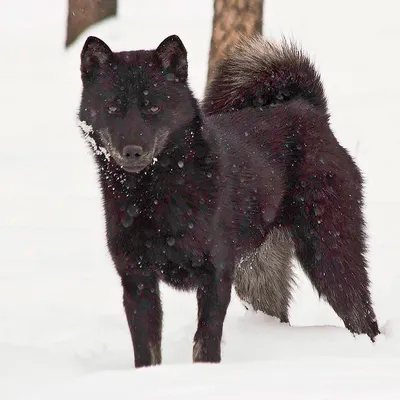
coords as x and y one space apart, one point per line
95 54
173 57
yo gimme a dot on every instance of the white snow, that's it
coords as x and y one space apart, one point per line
63 333
87 130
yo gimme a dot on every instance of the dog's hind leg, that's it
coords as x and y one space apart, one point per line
264 278
330 244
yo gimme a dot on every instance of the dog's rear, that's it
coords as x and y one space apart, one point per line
320 220
259 73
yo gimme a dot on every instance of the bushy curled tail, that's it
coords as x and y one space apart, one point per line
261 73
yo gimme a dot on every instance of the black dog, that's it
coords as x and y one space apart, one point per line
205 199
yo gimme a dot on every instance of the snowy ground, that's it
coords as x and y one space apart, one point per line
63 333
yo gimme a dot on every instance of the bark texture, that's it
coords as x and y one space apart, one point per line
84 13
232 18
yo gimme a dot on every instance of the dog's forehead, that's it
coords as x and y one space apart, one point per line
136 67
141 59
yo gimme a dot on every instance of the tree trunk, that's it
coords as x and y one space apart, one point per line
231 19
83 13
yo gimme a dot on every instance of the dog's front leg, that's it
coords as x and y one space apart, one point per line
213 297
144 314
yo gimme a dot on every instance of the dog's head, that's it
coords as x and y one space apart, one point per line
133 101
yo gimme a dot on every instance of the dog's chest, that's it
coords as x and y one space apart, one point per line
165 232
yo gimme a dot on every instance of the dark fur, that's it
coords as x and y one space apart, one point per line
260 176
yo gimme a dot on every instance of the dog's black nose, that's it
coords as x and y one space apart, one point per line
132 152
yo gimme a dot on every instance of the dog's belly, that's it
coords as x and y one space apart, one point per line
183 267
182 276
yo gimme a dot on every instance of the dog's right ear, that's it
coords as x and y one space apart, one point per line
95 55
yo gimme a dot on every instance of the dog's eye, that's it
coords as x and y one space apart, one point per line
154 109
151 110
112 109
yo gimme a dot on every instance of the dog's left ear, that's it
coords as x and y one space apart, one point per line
173 57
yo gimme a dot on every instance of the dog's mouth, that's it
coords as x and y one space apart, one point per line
134 169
